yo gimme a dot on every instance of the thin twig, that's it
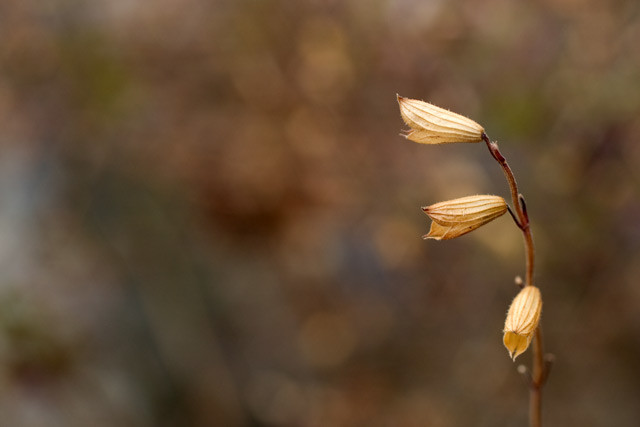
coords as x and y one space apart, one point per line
539 373
515 219
537 377
519 206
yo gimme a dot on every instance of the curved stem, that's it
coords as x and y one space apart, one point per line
518 205
521 218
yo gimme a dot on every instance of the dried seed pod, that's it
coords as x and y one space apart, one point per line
434 125
522 320
456 217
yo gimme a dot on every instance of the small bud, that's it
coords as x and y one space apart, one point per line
434 125
522 320
456 217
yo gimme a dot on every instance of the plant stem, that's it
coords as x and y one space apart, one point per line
521 218
538 378
519 206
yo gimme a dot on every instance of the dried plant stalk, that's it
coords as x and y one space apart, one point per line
434 125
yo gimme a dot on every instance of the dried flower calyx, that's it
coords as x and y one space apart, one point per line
522 320
456 217
434 125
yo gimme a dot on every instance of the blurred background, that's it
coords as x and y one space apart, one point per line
208 217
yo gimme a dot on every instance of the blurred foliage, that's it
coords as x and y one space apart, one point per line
209 218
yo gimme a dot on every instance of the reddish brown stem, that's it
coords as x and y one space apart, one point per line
538 377
521 218
519 206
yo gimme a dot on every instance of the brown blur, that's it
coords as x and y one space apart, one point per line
209 218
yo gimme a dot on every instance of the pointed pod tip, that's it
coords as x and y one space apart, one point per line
430 237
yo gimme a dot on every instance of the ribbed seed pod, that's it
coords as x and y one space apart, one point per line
434 125
522 320
456 217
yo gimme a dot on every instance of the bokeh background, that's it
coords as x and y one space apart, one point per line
208 217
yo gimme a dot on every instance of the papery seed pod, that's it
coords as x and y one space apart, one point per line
456 217
434 125
522 320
